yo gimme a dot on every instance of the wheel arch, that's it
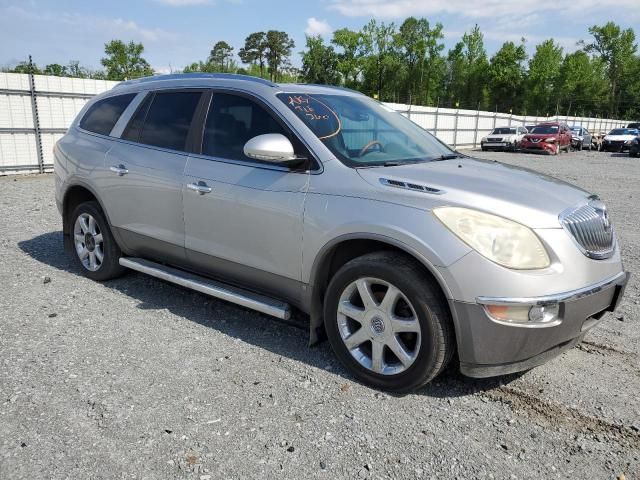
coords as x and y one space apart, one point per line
347 247
75 194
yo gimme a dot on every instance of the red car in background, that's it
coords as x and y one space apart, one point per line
550 137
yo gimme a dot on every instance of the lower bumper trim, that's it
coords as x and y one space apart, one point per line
485 371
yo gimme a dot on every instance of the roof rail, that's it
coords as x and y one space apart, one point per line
203 76
337 87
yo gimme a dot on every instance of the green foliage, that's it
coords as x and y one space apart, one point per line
543 78
277 52
254 50
506 76
220 57
124 61
319 62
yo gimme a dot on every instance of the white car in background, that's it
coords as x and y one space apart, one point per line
503 138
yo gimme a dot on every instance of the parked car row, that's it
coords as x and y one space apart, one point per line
554 137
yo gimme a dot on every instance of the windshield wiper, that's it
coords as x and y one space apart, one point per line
447 156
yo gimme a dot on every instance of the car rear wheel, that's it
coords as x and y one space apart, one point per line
388 322
96 250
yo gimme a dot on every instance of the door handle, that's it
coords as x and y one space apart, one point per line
199 187
119 169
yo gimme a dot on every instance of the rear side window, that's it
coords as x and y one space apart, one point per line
232 121
132 132
103 115
168 119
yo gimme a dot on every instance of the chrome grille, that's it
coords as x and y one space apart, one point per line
591 229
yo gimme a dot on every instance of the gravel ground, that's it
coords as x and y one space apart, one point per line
136 378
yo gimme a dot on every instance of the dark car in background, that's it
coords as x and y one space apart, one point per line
635 125
550 138
634 147
618 139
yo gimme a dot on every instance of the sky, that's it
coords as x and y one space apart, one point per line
176 33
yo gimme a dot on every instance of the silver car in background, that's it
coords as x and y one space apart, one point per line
403 252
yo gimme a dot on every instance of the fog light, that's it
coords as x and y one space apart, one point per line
525 315
545 314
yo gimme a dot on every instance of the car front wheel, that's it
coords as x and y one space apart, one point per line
388 322
96 250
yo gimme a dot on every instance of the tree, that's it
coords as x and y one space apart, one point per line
543 77
254 50
26 67
55 69
506 73
411 43
124 61
616 48
351 56
378 39
319 62
583 84
277 52
467 71
220 56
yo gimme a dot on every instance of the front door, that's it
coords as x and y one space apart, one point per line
245 222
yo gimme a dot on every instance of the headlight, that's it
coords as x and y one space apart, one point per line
503 241
550 140
484 139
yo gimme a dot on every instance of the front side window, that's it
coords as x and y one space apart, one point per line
231 122
104 114
168 119
362 132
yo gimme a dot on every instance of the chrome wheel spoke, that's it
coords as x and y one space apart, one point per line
356 339
348 309
79 238
83 253
377 354
98 238
92 260
399 351
401 325
84 224
390 298
99 254
364 289
92 225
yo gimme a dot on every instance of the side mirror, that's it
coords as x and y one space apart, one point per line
271 147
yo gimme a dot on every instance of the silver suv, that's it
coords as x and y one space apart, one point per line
403 252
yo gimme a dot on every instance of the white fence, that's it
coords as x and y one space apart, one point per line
36 110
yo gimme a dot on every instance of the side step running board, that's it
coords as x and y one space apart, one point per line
215 289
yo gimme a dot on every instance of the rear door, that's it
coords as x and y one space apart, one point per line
143 188
246 225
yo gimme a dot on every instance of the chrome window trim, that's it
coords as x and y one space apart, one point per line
570 296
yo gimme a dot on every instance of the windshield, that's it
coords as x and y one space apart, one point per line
545 129
503 131
576 129
623 131
362 132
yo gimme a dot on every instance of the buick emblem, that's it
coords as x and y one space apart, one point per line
377 325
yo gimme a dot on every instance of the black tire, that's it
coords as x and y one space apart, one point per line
484 149
437 344
109 267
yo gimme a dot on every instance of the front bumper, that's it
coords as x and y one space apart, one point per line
615 147
488 348
544 147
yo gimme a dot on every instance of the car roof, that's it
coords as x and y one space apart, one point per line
247 82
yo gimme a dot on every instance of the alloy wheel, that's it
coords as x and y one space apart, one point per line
379 326
88 242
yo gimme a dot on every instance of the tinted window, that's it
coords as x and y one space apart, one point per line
132 132
231 122
169 118
103 115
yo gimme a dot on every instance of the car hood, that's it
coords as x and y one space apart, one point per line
500 135
618 138
528 197
540 135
